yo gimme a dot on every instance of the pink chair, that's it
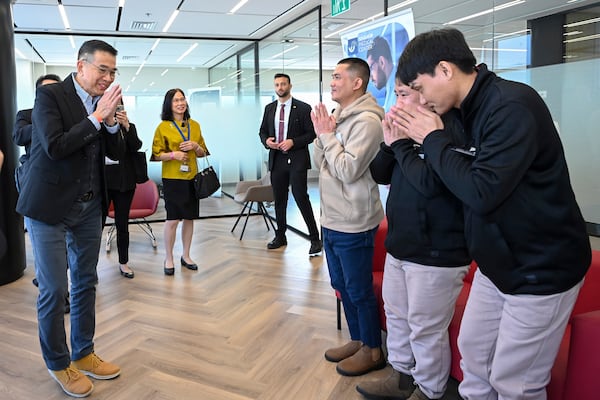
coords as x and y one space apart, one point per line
144 204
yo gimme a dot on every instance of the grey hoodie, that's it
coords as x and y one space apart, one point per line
349 196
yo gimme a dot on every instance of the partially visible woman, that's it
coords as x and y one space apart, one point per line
120 182
177 143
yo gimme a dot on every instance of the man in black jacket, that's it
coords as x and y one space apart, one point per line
522 223
425 264
286 131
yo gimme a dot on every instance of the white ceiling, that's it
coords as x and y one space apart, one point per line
40 35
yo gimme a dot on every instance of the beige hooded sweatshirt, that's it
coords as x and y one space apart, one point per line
349 196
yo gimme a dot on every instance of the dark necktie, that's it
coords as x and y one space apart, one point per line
281 124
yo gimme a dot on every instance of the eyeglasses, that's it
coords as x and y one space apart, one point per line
103 70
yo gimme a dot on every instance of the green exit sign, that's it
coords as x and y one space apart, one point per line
339 6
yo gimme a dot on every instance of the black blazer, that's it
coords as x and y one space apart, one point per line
52 175
300 129
22 132
121 176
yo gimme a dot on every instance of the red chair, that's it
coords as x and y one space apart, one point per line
144 204
378 264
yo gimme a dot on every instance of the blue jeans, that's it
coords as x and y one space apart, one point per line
350 263
77 238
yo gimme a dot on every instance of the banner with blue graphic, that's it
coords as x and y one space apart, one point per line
380 44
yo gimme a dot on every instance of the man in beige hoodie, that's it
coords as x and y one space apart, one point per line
351 210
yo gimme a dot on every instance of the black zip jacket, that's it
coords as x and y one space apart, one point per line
523 226
425 220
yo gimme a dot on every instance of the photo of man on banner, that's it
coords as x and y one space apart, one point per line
380 44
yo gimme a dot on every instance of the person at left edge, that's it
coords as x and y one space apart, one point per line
289 159
63 195
177 143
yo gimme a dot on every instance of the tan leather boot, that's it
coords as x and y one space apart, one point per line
365 360
338 354
396 386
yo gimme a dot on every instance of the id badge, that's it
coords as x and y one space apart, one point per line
184 168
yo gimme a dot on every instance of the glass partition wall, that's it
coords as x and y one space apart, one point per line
552 45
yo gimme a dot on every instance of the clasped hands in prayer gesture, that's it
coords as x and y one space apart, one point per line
107 105
410 121
322 120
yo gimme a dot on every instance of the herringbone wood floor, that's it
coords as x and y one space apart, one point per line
250 324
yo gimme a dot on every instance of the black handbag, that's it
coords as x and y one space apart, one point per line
206 181
140 166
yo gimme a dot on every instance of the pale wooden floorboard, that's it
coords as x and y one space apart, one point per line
250 324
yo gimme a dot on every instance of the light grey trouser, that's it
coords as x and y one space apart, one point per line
509 343
419 304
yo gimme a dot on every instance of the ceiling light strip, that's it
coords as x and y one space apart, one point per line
371 18
237 6
170 21
581 39
585 22
488 11
515 33
63 15
188 51
283 52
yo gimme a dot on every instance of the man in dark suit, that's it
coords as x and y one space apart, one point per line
286 131
63 197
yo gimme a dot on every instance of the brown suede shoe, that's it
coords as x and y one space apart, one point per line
95 367
365 360
73 382
338 354
396 386
418 395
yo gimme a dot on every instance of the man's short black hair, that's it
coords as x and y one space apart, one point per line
88 49
359 67
281 75
380 48
42 78
424 52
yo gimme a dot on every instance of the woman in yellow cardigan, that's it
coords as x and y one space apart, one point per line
177 142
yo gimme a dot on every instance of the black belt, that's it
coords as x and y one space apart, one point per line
86 196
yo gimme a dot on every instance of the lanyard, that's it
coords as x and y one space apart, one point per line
181 133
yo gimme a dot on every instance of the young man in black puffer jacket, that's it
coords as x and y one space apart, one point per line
522 223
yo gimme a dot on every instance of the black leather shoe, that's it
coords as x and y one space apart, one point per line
276 243
315 248
126 274
168 271
193 267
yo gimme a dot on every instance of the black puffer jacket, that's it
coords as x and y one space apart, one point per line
524 228
425 221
